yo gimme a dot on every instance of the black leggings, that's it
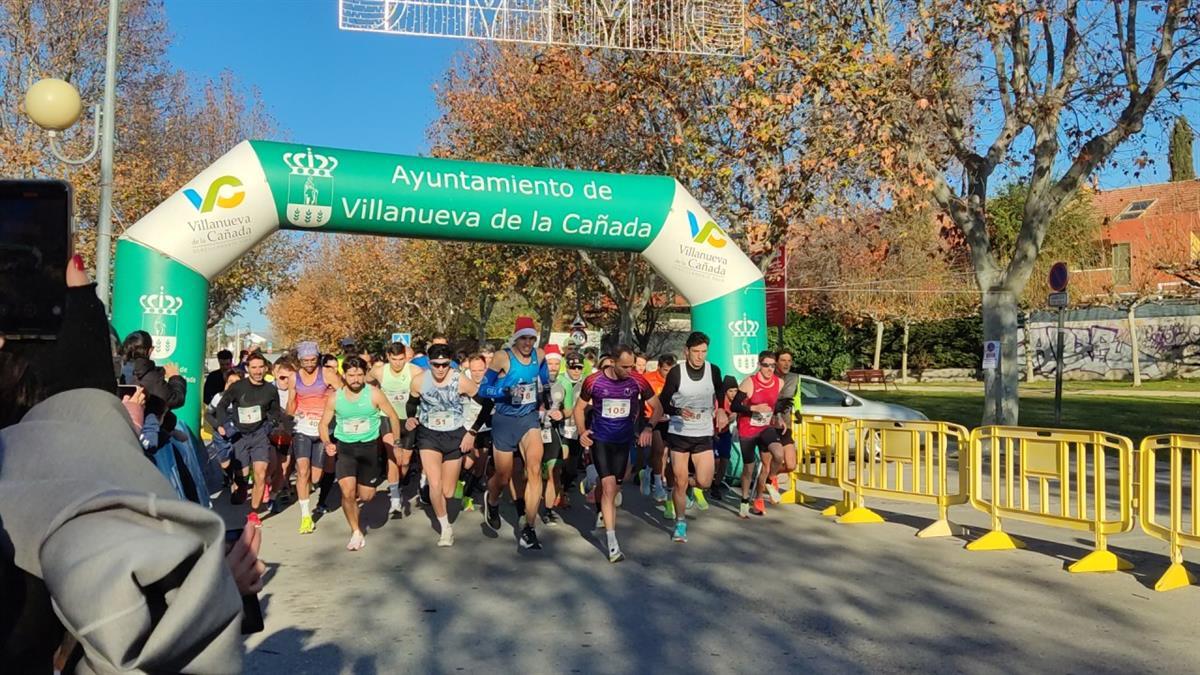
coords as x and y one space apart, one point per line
610 459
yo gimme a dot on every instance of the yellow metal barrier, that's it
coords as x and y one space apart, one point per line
908 461
1178 447
817 438
1076 463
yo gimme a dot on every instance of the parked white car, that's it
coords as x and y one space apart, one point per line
818 397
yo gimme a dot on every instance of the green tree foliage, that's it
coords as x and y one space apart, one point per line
818 344
1182 162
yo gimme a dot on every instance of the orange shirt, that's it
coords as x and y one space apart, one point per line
656 381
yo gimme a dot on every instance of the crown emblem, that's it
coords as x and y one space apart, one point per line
310 163
744 327
161 303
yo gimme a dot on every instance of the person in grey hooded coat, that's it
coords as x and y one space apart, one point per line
136 576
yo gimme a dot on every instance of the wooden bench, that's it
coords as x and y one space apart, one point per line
863 376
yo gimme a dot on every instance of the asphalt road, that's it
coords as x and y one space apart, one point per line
792 592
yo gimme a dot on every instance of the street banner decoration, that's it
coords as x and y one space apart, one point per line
166 259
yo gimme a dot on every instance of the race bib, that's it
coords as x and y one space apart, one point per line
692 414
760 419
355 426
547 435
443 421
615 408
569 429
249 414
396 398
307 425
524 394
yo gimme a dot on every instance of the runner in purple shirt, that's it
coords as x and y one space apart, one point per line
616 394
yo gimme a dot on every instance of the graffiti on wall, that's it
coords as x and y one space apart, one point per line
1168 347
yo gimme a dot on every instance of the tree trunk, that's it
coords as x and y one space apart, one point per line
1028 352
1000 384
878 343
904 356
1134 350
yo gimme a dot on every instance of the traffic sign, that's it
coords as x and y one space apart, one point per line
1057 300
1058 276
404 338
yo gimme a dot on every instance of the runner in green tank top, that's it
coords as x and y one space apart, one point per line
395 378
357 406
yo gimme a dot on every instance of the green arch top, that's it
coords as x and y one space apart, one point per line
164 261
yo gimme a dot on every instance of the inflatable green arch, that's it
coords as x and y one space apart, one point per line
164 261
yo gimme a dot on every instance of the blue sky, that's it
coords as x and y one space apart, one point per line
324 86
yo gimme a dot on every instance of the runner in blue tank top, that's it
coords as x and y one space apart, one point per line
517 381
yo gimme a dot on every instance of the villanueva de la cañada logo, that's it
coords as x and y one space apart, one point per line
160 318
213 228
745 330
213 197
710 234
310 187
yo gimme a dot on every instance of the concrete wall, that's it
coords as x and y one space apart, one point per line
1099 348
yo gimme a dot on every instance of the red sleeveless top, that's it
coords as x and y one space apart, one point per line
753 424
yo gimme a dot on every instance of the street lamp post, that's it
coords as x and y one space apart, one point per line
55 106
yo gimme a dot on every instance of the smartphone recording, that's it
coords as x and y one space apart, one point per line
35 242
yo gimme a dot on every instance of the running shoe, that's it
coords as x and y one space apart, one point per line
491 515
529 539
615 556
599 520
551 518
645 478
458 489
691 503
669 510
759 508
447 538
700 500
744 511
618 500
319 510
680 532
773 490
307 526
717 491
468 504
357 542
660 493
274 507
396 507
253 520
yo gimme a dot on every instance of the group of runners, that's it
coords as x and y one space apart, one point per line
524 420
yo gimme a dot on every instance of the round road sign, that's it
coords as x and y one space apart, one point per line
1058 276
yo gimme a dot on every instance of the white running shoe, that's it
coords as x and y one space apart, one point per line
397 506
618 499
447 538
357 542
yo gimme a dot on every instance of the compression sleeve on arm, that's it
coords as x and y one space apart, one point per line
492 387
484 416
410 406
741 403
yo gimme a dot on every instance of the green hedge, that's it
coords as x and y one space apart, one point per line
825 348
